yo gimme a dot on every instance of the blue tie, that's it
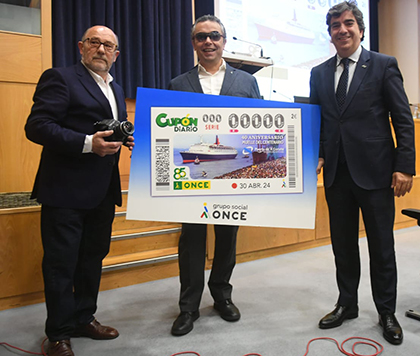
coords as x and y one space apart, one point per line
341 92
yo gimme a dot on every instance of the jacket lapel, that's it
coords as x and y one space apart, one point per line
329 73
228 80
194 81
359 74
119 98
92 87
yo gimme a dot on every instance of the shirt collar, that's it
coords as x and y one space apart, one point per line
98 79
203 70
354 57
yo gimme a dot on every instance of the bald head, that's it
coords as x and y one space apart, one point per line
99 29
99 49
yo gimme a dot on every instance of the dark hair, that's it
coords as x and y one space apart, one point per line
208 18
337 11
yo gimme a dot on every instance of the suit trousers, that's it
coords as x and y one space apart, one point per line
75 242
192 258
344 200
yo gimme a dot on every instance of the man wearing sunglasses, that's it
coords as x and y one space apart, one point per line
211 76
78 184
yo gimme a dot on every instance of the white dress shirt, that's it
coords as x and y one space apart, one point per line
109 94
212 83
354 58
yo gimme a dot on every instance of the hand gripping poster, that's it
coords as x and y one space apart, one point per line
223 160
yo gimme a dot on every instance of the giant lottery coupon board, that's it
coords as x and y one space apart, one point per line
224 160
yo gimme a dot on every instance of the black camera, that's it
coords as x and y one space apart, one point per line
121 129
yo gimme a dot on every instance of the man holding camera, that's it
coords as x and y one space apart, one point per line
78 185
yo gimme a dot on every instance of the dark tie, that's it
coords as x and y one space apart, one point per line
341 92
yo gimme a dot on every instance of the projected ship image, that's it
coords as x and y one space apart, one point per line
205 152
290 31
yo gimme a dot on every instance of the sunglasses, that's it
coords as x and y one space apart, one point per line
213 35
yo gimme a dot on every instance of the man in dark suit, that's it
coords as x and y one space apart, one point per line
363 169
212 76
78 185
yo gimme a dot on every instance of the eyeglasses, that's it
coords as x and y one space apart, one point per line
96 43
214 36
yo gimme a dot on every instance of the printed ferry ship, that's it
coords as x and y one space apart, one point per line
203 152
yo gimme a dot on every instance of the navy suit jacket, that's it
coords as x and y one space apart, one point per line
235 83
67 104
376 91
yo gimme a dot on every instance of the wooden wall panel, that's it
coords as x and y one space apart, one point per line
20 57
23 58
261 238
18 156
125 158
143 244
411 200
322 222
20 253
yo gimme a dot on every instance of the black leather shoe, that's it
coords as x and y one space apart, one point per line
337 316
228 311
392 329
184 323
60 348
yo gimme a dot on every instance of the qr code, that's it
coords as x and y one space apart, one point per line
162 163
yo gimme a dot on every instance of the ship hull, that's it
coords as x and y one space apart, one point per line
267 33
189 157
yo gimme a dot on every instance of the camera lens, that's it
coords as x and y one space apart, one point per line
127 128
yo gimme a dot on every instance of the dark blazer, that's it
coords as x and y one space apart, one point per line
363 126
192 242
235 83
67 104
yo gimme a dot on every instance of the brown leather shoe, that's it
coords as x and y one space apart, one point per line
96 331
60 348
